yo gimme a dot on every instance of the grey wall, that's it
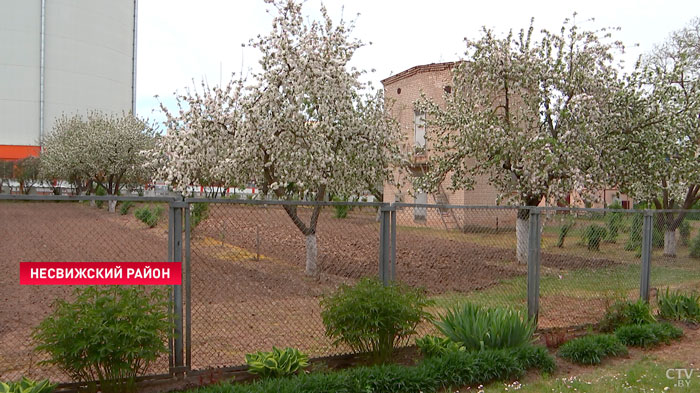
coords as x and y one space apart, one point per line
88 62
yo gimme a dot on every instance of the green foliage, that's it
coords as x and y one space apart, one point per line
480 328
625 312
109 335
371 317
592 349
695 247
634 243
150 215
430 346
593 235
26 385
648 335
430 376
684 231
563 231
198 212
613 222
277 363
100 191
680 307
340 211
124 207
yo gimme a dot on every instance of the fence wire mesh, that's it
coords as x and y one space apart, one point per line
250 290
248 261
50 231
460 254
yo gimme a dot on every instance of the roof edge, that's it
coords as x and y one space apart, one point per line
432 67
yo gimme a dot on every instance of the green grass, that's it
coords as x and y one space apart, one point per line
645 375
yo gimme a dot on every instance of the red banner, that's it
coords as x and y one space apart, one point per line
100 273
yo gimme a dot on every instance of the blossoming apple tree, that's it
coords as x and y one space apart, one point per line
303 127
528 111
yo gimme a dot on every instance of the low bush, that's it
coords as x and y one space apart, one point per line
150 215
625 312
649 335
684 231
430 346
431 375
340 211
695 247
198 212
108 335
478 328
277 363
124 207
100 191
370 317
592 349
593 235
613 223
680 307
26 385
563 232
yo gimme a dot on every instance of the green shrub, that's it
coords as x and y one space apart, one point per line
648 335
563 231
100 191
634 243
480 328
26 385
625 312
277 363
680 307
430 346
695 247
340 211
150 215
684 232
370 317
430 376
108 335
592 349
593 235
613 222
124 207
198 212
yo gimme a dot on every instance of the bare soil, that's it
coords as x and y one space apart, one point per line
249 290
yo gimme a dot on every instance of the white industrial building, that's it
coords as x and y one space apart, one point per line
62 56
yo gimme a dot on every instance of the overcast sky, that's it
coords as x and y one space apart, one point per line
182 40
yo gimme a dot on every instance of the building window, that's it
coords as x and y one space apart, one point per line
419 129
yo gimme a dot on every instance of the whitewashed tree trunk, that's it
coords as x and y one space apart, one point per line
92 203
522 234
112 206
311 255
670 243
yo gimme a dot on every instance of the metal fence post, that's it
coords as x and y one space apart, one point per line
188 292
385 244
647 234
533 265
175 255
393 243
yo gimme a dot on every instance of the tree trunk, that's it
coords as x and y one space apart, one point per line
522 235
112 206
311 255
670 243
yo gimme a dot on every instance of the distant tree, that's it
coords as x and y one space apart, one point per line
527 112
305 127
102 149
26 172
6 168
658 146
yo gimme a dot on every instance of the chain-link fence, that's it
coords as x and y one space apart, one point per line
49 229
255 271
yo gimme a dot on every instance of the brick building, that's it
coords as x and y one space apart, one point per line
401 92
